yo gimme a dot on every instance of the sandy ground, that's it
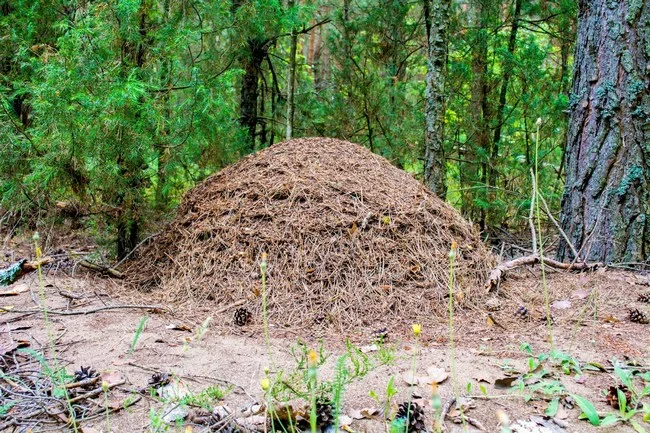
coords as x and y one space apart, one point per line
594 328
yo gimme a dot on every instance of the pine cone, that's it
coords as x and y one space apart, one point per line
644 297
522 313
415 414
612 395
324 414
84 373
242 316
158 380
638 316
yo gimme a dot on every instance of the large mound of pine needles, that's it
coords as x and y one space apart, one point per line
351 240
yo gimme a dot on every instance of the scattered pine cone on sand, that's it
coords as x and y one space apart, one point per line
345 232
637 316
242 317
415 414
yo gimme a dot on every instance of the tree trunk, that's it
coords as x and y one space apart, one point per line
606 196
503 93
252 64
291 79
436 18
479 138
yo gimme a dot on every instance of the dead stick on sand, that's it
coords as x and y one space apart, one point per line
444 412
40 411
82 312
497 273
101 269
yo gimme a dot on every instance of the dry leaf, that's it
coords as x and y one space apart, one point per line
611 319
344 421
505 382
175 327
15 290
410 378
561 305
580 294
369 412
371 348
112 377
436 375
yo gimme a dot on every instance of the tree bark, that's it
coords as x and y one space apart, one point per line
436 18
503 93
606 197
479 133
291 79
252 64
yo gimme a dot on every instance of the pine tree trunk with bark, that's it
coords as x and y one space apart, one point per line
436 17
607 197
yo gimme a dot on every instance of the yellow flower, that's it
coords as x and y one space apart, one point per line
417 328
266 384
454 248
312 358
263 262
105 385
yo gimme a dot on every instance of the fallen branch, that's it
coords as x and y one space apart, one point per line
82 312
40 411
444 413
102 269
498 273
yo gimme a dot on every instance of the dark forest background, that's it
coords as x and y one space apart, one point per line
112 109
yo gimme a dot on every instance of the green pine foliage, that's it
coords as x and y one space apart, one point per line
123 105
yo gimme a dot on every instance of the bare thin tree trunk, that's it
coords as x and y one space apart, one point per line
291 80
479 138
436 17
606 198
503 93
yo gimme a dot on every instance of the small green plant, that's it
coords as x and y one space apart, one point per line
203 329
108 412
138 333
338 387
391 391
207 398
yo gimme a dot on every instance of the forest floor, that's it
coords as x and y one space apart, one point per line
590 326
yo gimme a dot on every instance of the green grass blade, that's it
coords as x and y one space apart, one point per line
588 409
